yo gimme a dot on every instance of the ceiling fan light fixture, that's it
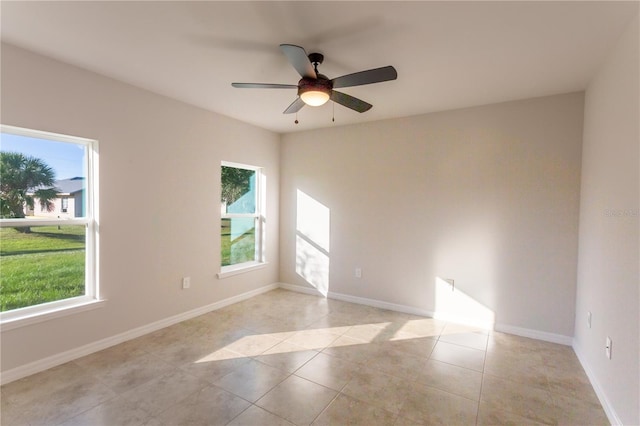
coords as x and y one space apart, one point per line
315 89
315 92
314 97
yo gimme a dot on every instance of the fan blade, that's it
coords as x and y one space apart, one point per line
376 75
263 86
294 107
350 102
299 59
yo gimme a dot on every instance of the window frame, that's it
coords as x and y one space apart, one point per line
91 299
259 217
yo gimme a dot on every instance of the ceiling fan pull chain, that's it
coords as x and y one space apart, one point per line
333 116
296 118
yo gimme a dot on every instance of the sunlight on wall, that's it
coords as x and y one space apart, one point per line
313 220
312 242
312 264
454 305
468 257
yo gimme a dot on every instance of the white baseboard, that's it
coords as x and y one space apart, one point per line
58 359
300 289
534 334
482 324
604 401
505 328
380 304
359 300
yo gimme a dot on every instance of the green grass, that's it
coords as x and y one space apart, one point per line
48 264
45 265
41 239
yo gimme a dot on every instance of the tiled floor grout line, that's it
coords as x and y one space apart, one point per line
484 363
166 355
326 407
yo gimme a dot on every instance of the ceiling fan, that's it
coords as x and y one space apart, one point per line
315 89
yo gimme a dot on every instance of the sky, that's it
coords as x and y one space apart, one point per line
66 159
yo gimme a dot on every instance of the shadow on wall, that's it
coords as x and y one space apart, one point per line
313 225
312 241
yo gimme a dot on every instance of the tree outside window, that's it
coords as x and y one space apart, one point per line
240 228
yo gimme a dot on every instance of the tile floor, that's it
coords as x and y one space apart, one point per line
286 358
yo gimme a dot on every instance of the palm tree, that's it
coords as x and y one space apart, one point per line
22 180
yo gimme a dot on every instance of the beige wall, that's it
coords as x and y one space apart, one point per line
608 266
485 196
159 157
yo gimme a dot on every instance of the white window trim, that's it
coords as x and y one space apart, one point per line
260 261
240 268
91 299
25 316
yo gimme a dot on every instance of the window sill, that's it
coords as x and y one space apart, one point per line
229 271
16 320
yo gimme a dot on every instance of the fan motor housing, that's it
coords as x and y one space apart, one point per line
322 84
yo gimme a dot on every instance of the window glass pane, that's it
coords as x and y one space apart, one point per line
238 190
42 178
41 264
238 240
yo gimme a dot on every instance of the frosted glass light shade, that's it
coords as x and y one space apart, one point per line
315 97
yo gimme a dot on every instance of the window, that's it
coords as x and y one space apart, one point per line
48 250
241 224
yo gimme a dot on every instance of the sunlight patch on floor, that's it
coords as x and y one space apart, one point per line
320 338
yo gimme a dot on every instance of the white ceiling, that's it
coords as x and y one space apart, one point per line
448 54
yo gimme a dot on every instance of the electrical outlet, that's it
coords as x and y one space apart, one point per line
358 272
607 348
186 283
589 319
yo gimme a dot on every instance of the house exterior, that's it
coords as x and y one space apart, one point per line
69 201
